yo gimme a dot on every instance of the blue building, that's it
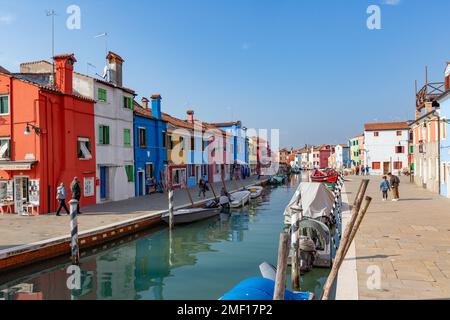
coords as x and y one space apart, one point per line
150 151
444 102
239 147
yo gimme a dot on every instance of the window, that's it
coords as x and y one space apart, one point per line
411 149
102 95
127 137
129 169
142 137
181 141
376 134
4 104
128 103
103 135
148 171
399 133
192 143
204 170
376 165
398 165
399 149
192 170
164 139
5 148
84 149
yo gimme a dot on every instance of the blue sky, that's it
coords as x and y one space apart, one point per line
309 68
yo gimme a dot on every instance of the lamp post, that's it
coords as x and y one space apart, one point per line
36 129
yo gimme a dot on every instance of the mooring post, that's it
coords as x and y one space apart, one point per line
75 250
171 208
295 245
280 280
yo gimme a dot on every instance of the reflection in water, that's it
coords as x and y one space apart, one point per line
196 261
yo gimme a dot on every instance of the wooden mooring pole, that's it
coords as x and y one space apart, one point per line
213 191
340 256
295 246
283 254
188 193
75 250
171 209
358 222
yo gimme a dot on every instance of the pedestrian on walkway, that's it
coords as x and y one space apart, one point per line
395 183
385 188
367 171
61 197
202 188
357 170
75 189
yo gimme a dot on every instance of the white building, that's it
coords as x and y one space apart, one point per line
386 147
342 156
113 131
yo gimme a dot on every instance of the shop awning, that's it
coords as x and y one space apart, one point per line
16 165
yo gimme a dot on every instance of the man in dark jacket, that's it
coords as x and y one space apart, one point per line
75 189
395 183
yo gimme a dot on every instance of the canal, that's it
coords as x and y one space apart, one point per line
200 261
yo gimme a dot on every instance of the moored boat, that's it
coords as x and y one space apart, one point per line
184 216
326 175
255 191
239 199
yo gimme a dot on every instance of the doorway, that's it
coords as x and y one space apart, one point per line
104 183
21 195
386 167
141 183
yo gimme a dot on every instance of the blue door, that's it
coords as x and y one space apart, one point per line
103 182
141 183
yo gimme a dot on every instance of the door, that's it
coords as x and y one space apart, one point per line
103 182
20 193
386 167
141 183
197 173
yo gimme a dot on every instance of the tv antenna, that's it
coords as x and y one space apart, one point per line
106 67
89 65
52 13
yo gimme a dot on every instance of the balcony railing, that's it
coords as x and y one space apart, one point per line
429 93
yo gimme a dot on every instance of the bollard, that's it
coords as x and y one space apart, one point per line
171 209
74 232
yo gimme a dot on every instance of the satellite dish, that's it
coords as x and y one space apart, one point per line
105 72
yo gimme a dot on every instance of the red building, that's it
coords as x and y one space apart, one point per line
325 151
47 137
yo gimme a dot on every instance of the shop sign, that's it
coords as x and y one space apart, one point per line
89 187
34 192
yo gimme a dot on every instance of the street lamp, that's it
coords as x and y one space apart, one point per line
27 131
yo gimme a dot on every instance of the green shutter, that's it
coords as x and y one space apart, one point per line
102 94
101 133
130 103
126 137
107 135
130 173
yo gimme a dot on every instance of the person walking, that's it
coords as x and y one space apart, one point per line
367 171
75 189
61 197
385 188
357 170
202 187
395 183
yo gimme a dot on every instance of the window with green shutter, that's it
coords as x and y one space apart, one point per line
103 135
128 103
127 137
4 104
129 169
102 95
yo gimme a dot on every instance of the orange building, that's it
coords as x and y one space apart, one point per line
46 137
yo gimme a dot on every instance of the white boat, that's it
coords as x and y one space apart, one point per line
239 199
184 216
255 191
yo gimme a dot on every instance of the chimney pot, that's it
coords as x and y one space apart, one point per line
190 116
145 102
115 63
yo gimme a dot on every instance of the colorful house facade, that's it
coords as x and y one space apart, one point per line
444 102
150 152
342 156
47 137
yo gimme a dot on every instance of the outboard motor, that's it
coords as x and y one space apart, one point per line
211 204
224 201
307 254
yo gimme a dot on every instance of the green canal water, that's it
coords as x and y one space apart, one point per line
197 261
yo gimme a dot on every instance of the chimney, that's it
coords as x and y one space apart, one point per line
447 77
145 102
428 107
64 72
418 114
190 116
156 106
115 65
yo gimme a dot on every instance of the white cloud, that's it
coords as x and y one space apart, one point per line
392 2
7 18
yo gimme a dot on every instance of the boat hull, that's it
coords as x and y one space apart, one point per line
190 216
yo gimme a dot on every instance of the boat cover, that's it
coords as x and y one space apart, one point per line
316 201
260 289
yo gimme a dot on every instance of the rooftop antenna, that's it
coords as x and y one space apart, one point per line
52 13
106 68
89 65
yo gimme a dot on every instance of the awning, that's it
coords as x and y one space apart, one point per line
16 165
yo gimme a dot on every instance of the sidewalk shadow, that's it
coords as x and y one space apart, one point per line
378 256
417 199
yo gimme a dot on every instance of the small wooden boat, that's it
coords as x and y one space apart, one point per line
275 180
191 215
255 191
327 176
239 199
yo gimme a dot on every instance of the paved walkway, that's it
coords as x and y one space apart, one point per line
404 244
18 230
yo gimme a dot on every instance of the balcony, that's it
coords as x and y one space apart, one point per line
429 93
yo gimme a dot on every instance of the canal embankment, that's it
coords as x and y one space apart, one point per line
31 239
402 250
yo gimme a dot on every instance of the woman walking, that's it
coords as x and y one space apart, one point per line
385 188
76 192
61 197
